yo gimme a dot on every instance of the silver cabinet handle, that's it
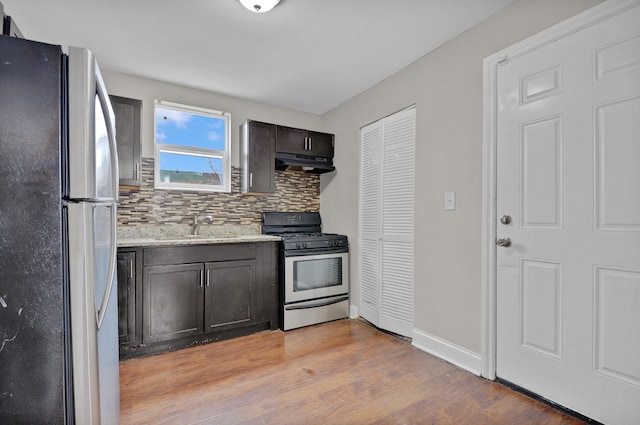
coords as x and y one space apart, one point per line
201 279
137 176
505 242
208 277
131 269
250 179
310 144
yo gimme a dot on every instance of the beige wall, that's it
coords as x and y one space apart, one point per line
446 86
147 90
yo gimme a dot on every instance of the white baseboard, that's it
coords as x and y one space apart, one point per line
353 311
454 354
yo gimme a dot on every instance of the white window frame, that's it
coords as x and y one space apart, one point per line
225 154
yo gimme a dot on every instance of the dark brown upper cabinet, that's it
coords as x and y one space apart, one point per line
257 157
127 112
8 25
305 142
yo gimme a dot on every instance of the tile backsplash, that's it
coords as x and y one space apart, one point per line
150 207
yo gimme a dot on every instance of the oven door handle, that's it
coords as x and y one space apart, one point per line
320 304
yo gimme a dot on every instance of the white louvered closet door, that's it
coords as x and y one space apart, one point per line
387 217
370 141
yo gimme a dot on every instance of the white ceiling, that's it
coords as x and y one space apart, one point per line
307 55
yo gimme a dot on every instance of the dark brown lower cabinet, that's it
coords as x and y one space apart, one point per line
172 302
200 293
229 294
128 295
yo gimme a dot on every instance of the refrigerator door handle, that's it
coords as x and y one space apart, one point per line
109 117
102 310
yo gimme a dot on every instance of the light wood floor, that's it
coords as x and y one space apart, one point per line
343 372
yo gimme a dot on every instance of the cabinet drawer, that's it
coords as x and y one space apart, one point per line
198 253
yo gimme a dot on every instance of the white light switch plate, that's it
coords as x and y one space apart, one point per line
450 201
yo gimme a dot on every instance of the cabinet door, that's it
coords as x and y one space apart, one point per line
172 302
321 144
127 113
267 283
291 140
258 145
10 27
126 297
295 140
229 294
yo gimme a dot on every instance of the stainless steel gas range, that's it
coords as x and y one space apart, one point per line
314 269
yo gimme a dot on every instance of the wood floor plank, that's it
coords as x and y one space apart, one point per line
344 372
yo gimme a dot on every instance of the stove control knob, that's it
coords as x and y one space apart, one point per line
298 245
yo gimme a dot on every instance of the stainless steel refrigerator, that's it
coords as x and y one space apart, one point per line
58 194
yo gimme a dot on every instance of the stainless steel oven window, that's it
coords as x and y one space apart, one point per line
318 276
317 273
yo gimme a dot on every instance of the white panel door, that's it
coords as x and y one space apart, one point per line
386 222
568 167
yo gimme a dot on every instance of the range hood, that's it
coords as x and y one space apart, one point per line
306 163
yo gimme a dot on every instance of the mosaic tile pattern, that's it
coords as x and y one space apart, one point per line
149 207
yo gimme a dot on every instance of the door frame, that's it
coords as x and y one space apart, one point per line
491 63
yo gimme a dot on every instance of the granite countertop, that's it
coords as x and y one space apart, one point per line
150 236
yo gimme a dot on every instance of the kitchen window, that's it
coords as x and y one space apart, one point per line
192 148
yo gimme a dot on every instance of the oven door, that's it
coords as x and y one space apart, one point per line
310 277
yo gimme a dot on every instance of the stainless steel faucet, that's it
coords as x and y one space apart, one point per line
197 223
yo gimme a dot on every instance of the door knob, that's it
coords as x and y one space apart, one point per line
505 219
505 242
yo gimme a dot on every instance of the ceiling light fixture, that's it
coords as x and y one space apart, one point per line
259 6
